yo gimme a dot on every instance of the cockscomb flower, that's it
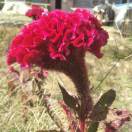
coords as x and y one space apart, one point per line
36 12
56 36
59 41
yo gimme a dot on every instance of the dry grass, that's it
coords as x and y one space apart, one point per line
112 71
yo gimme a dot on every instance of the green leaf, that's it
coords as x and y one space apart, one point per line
93 127
100 110
69 99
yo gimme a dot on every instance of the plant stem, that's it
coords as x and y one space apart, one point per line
76 70
82 126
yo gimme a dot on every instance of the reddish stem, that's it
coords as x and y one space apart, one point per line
76 69
82 125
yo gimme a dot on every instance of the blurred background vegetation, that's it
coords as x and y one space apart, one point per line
1 4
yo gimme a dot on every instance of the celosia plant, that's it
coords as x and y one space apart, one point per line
36 12
59 41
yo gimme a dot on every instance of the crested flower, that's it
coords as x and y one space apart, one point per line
56 36
36 12
59 41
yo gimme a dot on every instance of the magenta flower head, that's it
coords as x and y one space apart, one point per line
36 12
56 37
59 41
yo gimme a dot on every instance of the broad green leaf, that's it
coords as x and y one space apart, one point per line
100 110
69 99
93 127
